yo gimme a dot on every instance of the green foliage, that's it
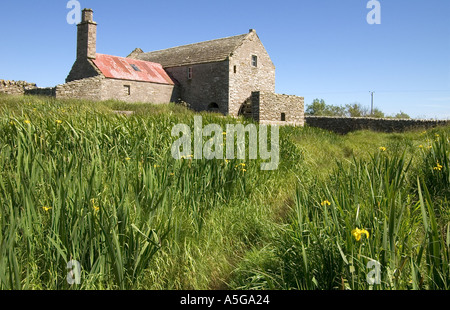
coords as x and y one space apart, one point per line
319 108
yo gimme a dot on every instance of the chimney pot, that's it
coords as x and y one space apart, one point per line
87 15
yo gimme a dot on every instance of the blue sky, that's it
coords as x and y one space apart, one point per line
321 48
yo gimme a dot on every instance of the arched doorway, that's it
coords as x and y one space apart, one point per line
213 107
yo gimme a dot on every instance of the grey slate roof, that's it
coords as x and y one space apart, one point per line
203 52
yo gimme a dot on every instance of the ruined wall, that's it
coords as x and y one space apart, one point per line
278 109
345 125
15 87
209 84
244 77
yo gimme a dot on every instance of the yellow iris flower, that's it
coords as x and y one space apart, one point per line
357 233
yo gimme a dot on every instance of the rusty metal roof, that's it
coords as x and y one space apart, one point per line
131 69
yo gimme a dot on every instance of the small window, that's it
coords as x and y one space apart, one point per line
255 61
135 68
127 89
283 117
235 69
190 73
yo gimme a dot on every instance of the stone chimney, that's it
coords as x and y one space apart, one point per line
87 36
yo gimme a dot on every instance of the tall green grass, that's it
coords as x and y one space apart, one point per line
399 198
79 182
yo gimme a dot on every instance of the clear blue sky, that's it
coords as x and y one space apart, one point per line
321 48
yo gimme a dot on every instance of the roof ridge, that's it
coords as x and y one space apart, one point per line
128 59
192 44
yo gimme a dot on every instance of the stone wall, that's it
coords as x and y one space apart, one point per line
271 108
48 91
344 125
87 89
134 91
246 78
100 88
209 84
15 87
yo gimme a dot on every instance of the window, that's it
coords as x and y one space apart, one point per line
235 69
135 68
127 89
190 73
283 117
255 61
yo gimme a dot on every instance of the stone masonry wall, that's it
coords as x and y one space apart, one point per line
87 89
269 108
48 91
209 84
134 91
244 77
344 125
15 87
100 88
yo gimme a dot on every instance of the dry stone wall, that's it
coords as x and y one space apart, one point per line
15 87
344 125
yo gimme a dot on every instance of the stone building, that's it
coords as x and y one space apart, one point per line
100 77
225 75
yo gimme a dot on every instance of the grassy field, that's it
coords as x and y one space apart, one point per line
79 182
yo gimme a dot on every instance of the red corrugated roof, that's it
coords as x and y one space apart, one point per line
121 68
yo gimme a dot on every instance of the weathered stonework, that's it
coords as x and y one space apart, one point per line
15 87
86 89
208 85
217 75
246 78
276 109
100 88
136 91
344 125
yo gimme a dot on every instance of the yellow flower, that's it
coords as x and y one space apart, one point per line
383 149
421 146
357 233
46 209
128 158
94 205
156 166
326 202
27 122
438 167
172 174
59 122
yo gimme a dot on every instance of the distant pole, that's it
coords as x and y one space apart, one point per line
371 107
